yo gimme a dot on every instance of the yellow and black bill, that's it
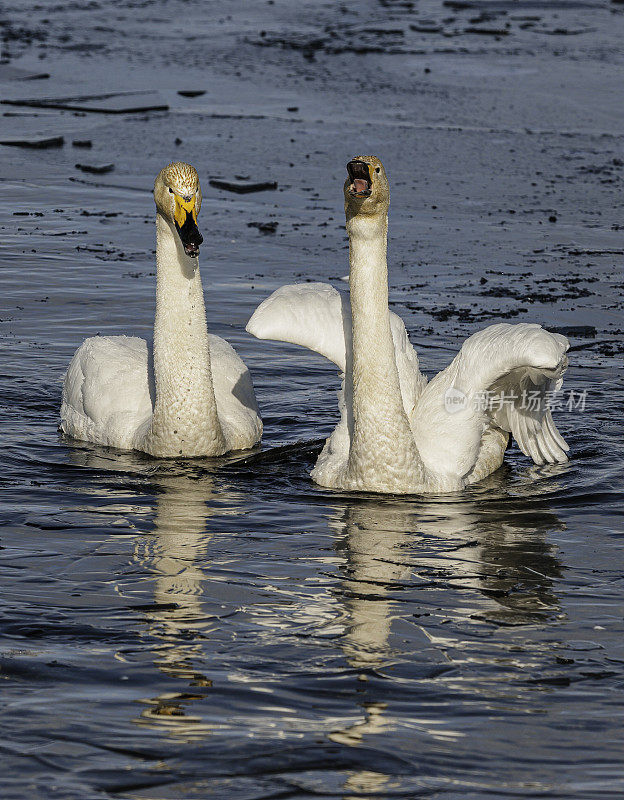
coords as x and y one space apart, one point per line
186 224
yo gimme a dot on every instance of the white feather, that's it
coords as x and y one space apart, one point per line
397 433
191 395
317 316
109 386
523 361
106 392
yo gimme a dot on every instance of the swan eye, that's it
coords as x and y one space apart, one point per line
170 190
377 169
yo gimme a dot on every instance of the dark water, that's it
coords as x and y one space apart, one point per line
197 629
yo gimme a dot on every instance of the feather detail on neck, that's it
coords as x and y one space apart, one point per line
383 452
185 418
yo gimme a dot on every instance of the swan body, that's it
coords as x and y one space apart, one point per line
397 432
191 395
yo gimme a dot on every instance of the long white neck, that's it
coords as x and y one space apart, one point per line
185 420
383 452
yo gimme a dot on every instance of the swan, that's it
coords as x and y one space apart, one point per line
399 433
192 395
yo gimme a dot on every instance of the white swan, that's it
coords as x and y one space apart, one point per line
397 432
197 398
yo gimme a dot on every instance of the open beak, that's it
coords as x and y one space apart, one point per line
186 224
359 173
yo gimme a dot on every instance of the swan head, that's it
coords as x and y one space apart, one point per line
366 189
178 198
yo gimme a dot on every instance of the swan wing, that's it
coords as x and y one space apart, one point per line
106 391
313 315
502 379
519 399
317 316
235 396
526 366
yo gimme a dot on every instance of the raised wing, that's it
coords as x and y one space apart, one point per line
313 315
504 376
317 316
526 368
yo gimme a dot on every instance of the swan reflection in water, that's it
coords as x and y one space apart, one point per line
482 555
176 554
493 555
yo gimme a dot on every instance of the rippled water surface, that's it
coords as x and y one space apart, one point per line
196 629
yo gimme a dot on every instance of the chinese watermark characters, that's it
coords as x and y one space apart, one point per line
535 400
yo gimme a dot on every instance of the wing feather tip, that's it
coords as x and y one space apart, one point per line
550 352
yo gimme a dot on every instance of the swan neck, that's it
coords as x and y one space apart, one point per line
380 425
368 268
374 366
185 419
